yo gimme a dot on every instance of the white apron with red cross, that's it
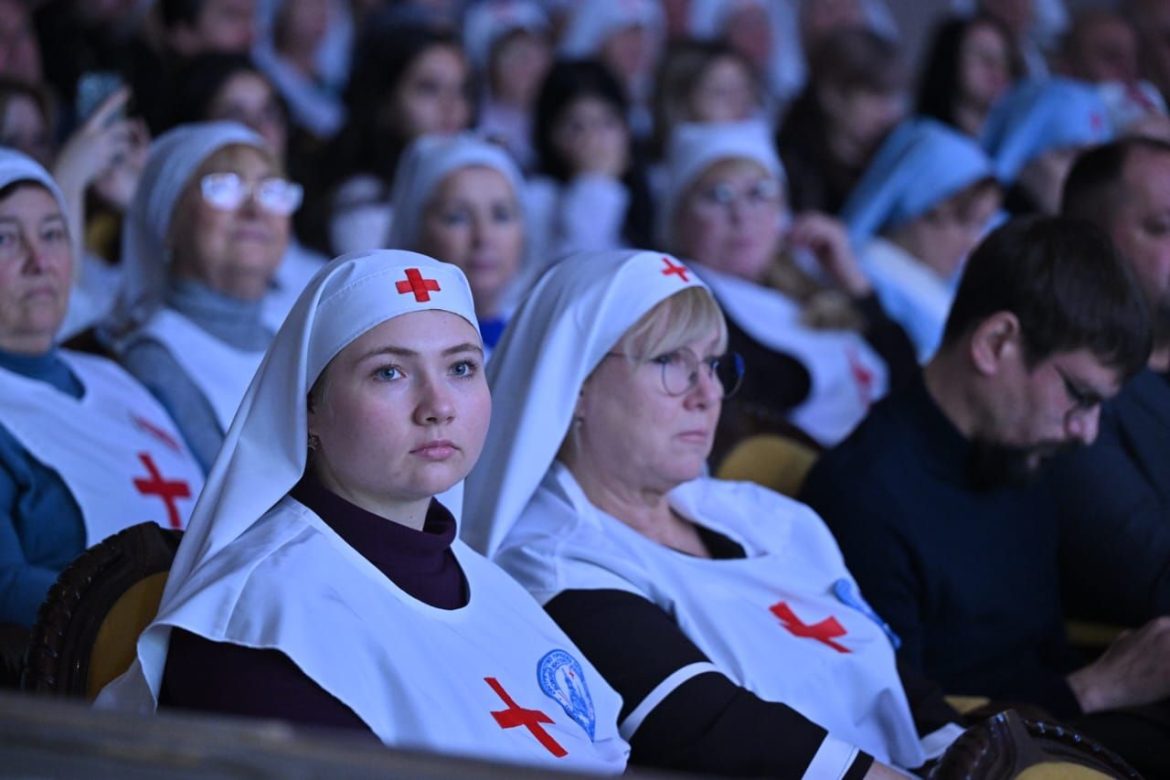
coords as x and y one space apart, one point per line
785 622
220 371
115 448
496 679
847 374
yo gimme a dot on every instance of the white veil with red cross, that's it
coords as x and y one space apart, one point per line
265 451
574 314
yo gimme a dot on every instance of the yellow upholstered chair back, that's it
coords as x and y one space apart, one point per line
88 626
774 461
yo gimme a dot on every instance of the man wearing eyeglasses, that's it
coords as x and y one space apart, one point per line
933 498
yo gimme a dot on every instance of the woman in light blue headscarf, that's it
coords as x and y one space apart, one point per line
922 205
1035 132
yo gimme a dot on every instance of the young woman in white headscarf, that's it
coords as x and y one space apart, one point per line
818 345
85 451
458 198
508 43
721 612
627 38
320 581
205 235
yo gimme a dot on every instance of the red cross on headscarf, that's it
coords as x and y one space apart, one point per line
415 283
825 631
516 715
671 269
168 490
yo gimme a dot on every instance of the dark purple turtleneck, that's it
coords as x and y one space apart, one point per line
220 677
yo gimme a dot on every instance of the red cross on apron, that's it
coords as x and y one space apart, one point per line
144 424
516 715
825 631
671 269
862 376
168 490
415 283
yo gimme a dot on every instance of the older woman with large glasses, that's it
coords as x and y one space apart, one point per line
721 612
85 451
206 233
818 345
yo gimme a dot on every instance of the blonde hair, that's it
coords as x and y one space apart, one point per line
688 315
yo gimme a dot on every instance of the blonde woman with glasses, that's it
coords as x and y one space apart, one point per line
206 233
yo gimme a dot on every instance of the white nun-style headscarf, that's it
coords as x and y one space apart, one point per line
265 450
590 24
174 158
427 161
696 146
709 17
487 22
17 167
571 318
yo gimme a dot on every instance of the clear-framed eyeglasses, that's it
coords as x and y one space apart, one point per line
722 196
681 367
228 191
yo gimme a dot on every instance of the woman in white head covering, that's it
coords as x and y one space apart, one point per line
458 198
204 237
294 39
333 591
722 612
219 86
508 44
927 198
85 451
745 25
626 36
819 351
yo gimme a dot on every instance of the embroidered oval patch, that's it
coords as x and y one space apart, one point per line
563 680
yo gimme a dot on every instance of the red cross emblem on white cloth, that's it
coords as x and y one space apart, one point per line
169 490
415 283
862 376
532 720
671 269
824 631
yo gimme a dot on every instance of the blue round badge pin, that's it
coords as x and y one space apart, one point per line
563 680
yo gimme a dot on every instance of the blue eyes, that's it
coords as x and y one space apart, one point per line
461 369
